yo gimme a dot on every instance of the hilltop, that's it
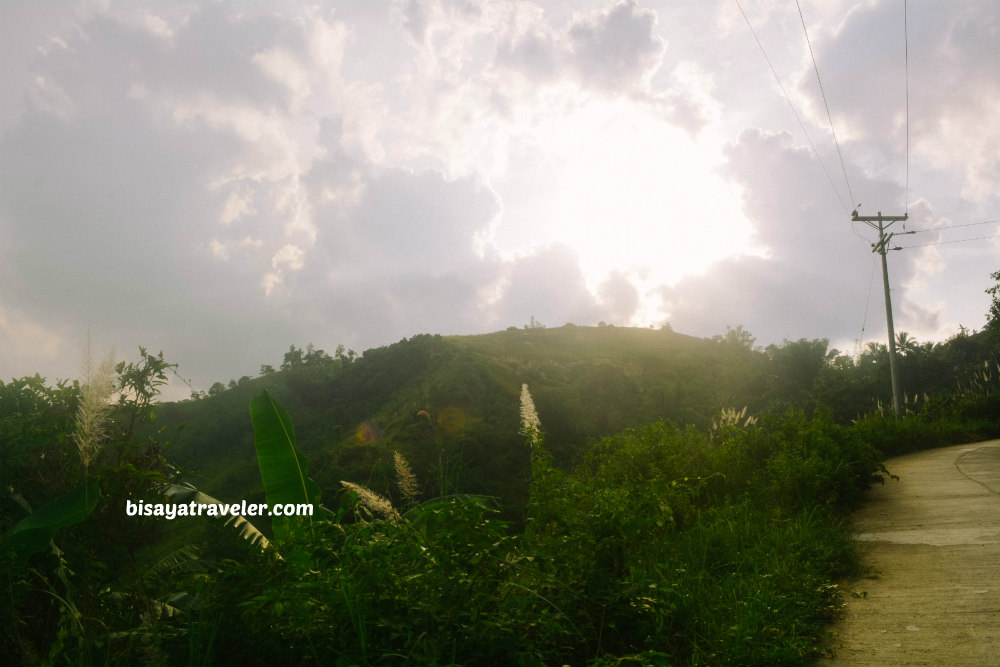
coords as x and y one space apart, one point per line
449 404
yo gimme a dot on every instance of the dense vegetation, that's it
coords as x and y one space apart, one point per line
653 499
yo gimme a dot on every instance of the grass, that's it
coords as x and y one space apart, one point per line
644 554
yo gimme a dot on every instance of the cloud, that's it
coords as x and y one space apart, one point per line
408 256
954 85
414 19
422 220
619 296
549 286
222 180
921 321
614 50
813 277
23 337
617 49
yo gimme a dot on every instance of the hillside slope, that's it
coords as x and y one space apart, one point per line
450 405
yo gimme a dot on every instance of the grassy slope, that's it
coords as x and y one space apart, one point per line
588 382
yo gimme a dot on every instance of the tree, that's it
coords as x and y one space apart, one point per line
793 370
738 337
315 357
266 369
293 358
138 386
993 316
216 389
345 356
875 353
905 343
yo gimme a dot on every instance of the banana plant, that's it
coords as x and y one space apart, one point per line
185 493
34 532
283 468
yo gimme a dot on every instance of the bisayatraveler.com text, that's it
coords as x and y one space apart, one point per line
174 510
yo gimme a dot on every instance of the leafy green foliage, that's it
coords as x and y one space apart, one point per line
993 316
32 533
664 543
71 576
617 537
185 493
413 592
284 470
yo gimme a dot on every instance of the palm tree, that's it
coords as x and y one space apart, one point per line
874 351
905 343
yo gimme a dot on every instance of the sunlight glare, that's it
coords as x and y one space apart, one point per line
645 198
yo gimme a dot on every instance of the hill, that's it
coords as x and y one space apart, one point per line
669 542
450 405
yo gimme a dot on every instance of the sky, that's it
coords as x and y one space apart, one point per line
222 180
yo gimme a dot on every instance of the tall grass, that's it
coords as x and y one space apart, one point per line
94 406
665 546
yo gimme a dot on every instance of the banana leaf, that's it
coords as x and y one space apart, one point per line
283 469
183 494
33 533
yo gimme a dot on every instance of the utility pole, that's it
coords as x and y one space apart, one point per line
882 247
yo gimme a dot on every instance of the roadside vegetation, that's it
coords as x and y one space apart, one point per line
585 496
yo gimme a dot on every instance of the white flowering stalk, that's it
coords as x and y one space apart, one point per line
98 385
730 417
531 426
374 502
405 479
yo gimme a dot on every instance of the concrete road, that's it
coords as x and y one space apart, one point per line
934 539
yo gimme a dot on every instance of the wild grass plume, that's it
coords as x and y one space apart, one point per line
95 392
732 417
405 479
373 502
531 426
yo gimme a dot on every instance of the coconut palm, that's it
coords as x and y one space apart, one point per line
905 343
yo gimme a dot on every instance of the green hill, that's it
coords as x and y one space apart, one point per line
669 542
450 405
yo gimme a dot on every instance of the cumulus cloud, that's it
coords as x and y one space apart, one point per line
814 276
617 49
549 286
222 180
619 296
954 72
614 50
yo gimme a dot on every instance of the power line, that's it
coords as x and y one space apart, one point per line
974 238
966 224
860 236
906 58
864 322
795 113
823 93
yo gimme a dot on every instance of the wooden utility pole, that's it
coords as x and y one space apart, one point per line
882 247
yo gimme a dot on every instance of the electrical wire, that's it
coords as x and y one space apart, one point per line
906 57
825 103
860 236
864 322
967 224
974 238
795 113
